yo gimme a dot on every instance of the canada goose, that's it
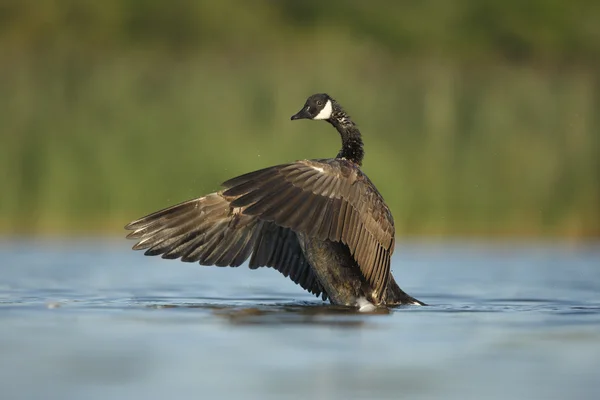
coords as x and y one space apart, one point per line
320 222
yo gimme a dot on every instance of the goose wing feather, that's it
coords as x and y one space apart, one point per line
211 231
329 199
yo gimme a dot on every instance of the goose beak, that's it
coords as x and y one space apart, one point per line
302 114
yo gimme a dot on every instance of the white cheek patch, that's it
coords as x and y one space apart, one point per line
325 113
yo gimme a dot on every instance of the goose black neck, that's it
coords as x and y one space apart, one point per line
352 144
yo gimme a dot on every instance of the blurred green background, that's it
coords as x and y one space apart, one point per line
479 117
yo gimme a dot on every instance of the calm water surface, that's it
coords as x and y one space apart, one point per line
90 319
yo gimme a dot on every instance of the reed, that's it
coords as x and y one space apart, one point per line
499 150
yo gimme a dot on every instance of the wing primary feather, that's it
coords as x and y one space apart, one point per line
310 222
254 176
338 227
295 217
385 272
360 253
150 218
278 245
260 253
284 255
258 195
373 247
353 229
246 250
303 178
272 202
285 206
381 261
327 186
229 246
243 248
323 222
335 214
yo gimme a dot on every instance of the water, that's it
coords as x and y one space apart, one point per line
90 319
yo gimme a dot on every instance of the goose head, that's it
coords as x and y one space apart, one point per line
317 106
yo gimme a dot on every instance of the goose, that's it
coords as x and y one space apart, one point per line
320 222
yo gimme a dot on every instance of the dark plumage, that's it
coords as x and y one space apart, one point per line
320 222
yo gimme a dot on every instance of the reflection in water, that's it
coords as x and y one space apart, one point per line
286 314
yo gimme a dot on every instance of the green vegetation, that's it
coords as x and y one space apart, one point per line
479 117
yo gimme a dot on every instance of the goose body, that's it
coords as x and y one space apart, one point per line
322 223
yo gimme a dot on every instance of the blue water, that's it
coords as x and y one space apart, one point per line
91 319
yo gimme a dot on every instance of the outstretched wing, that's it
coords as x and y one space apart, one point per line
209 230
328 199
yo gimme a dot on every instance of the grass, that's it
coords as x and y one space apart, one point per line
87 145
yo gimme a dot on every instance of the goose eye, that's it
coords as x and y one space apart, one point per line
319 103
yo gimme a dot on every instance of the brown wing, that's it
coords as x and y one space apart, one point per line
210 231
328 199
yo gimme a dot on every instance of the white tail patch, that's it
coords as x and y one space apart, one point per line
326 112
364 305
